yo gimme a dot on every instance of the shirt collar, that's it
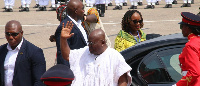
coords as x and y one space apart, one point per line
17 48
77 23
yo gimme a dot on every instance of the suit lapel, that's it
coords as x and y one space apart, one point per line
75 26
3 54
20 55
81 34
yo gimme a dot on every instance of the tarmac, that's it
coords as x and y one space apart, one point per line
38 26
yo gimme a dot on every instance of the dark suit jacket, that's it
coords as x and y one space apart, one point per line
75 42
29 66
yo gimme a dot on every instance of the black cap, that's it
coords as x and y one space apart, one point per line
58 75
190 19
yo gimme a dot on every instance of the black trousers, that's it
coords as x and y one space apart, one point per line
101 8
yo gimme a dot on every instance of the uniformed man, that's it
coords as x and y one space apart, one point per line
150 4
186 3
125 3
118 4
168 3
9 5
25 5
53 5
37 4
58 75
134 4
189 58
157 2
90 3
140 3
174 2
43 4
110 3
101 7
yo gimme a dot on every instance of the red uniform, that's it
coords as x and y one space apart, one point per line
190 62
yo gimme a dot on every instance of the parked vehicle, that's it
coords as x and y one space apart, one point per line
155 62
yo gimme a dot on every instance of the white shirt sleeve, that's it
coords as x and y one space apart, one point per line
122 67
76 54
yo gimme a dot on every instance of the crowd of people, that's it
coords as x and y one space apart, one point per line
25 5
101 5
84 55
134 3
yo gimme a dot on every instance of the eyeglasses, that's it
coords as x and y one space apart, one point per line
93 43
12 34
135 21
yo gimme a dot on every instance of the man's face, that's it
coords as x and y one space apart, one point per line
95 45
185 30
80 11
13 36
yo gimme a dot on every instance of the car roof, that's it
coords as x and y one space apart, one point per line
147 45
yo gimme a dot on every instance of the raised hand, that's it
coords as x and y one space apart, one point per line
66 30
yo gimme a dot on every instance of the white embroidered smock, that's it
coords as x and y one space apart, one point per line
98 70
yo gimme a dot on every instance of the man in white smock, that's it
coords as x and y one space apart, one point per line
95 64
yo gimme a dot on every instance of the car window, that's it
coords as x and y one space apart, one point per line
161 65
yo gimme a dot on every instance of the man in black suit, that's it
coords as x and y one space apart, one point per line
75 11
21 62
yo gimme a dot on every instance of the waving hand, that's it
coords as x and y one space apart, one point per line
66 30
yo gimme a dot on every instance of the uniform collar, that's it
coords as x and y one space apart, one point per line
191 35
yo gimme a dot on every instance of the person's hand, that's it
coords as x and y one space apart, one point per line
66 30
52 38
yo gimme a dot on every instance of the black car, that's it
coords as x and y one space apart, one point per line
155 62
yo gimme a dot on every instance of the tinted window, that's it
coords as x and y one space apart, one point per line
161 65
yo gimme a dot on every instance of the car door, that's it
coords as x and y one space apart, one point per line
161 66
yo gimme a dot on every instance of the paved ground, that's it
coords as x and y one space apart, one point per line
38 26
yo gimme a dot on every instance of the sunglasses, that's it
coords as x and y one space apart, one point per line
12 34
135 21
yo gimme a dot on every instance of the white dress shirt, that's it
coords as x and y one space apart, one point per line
9 63
78 24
